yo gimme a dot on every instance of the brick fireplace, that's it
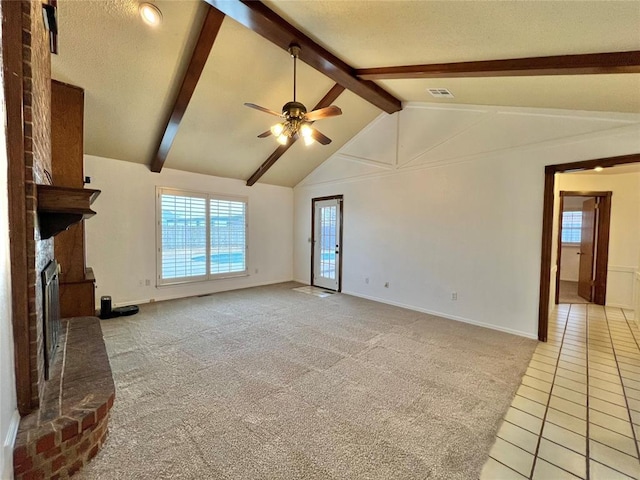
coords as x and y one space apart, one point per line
64 420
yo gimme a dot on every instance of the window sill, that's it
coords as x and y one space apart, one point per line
210 279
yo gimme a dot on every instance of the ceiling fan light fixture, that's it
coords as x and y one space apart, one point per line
150 14
305 130
598 169
277 129
296 121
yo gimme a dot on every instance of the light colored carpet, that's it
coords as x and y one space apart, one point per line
569 293
269 383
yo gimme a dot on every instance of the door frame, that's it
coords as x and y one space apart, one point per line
340 199
547 225
601 246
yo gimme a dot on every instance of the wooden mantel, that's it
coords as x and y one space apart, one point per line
61 207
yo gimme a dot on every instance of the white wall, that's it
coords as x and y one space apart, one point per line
624 235
450 200
9 417
570 263
636 294
121 238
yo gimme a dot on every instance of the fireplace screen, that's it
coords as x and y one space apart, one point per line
51 314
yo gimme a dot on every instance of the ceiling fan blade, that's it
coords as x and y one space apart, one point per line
265 134
320 137
262 109
330 111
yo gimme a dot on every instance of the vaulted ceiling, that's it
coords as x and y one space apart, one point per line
132 73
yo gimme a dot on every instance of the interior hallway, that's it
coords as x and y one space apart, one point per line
577 411
569 293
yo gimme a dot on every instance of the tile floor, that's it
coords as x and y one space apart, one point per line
577 411
317 291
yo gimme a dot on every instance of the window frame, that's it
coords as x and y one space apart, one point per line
570 244
207 196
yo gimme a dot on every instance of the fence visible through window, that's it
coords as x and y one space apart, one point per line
186 222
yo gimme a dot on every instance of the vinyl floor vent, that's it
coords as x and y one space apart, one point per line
440 92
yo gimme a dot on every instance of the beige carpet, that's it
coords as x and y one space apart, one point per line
270 383
569 293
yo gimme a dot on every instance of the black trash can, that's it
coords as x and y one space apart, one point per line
105 307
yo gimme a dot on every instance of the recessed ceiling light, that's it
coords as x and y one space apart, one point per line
150 14
598 169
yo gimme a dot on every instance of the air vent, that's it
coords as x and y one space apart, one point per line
440 92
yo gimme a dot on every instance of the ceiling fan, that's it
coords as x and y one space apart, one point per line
296 121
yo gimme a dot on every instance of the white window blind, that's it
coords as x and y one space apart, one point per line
200 236
228 219
571 227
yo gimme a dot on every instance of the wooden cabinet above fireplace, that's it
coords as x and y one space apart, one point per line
69 200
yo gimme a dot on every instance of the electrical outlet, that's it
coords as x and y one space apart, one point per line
386 284
256 271
454 295
147 283
366 280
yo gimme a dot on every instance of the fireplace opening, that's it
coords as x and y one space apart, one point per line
51 299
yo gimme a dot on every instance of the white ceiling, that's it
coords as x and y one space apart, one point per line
615 170
130 72
430 135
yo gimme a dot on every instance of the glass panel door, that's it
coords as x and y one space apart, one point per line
326 244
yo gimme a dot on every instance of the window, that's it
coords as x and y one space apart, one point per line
200 236
571 227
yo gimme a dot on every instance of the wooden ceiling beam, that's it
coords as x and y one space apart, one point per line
258 17
587 64
327 100
199 56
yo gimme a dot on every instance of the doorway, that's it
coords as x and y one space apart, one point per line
547 226
326 239
583 247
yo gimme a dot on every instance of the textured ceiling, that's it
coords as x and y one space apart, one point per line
130 72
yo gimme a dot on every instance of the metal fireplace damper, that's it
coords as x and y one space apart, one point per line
51 305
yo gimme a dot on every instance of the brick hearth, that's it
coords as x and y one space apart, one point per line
72 422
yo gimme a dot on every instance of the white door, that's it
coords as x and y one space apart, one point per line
326 243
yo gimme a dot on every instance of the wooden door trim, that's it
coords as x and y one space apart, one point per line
547 226
559 247
340 199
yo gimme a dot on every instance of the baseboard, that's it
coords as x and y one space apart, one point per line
619 305
445 315
7 448
178 296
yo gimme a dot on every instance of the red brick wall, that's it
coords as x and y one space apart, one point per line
37 145
60 448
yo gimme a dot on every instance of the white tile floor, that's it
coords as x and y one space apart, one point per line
577 411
